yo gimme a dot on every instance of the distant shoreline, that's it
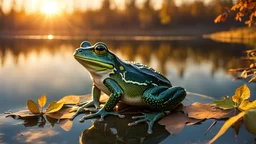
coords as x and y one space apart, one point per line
188 31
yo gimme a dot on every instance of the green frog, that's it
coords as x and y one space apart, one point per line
128 82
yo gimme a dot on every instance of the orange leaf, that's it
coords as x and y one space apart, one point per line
66 124
42 101
175 122
33 107
206 111
218 19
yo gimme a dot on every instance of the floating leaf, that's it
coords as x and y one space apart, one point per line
206 111
64 113
23 114
253 79
226 125
33 107
175 122
247 105
71 99
242 93
54 107
80 99
249 121
66 124
236 126
226 103
42 101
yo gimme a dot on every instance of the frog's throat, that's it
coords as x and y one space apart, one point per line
94 64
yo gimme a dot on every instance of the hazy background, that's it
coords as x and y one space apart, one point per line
113 17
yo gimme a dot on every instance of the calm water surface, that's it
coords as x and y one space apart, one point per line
30 68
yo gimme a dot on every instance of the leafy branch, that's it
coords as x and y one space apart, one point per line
242 8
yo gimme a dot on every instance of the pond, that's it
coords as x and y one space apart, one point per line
30 68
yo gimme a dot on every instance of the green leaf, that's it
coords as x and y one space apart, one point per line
54 107
247 105
33 107
225 103
242 93
249 121
226 125
42 101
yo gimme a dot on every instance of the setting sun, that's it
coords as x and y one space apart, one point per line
50 7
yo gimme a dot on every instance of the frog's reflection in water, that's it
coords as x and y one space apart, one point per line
116 130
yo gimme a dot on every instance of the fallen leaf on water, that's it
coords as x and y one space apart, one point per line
247 105
175 122
78 99
23 114
249 121
206 111
227 125
33 107
54 107
242 93
74 99
64 113
236 126
42 101
66 124
225 103
253 79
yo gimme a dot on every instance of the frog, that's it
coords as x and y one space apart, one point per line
127 82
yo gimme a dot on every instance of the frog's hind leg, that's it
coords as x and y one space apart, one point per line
160 99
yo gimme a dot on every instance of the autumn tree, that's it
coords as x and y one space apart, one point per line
146 15
167 11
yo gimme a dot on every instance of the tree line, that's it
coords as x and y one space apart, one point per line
105 18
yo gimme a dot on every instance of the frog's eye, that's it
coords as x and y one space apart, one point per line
100 49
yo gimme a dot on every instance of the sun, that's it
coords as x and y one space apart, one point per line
50 7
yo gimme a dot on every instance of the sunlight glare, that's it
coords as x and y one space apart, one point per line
50 37
50 7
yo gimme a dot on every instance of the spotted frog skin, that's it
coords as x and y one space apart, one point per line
131 83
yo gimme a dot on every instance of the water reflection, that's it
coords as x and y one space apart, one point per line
36 135
30 68
116 130
31 53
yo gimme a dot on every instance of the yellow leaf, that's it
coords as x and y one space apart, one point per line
247 105
242 93
33 107
226 125
54 107
42 101
249 121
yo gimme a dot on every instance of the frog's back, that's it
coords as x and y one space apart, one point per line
142 75
156 77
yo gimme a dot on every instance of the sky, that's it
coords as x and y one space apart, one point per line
69 5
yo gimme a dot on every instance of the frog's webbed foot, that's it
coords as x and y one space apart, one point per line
149 118
102 113
86 107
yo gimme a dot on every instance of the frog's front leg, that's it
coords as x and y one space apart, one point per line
160 99
94 102
116 93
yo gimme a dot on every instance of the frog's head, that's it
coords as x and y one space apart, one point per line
95 57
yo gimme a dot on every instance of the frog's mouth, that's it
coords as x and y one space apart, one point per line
93 63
